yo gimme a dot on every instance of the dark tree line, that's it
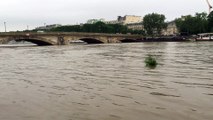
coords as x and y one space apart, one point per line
98 27
199 23
210 22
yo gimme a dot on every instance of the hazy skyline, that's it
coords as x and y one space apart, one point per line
20 13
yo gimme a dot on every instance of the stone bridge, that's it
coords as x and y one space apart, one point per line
66 38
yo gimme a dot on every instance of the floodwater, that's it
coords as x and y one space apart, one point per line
107 82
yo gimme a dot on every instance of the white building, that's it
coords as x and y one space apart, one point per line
135 26
129 19
171 29
112 22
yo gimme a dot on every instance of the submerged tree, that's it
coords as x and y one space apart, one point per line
150 61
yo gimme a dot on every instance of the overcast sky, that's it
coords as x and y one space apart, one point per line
20 13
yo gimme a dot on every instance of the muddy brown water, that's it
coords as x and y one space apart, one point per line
107 82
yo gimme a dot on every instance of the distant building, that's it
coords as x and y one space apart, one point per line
171 29
48 27
135 26
129 19
112 22
92 21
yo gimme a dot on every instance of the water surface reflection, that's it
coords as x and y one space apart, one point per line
107 82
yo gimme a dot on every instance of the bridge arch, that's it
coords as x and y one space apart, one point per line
129 40
38 41
91 40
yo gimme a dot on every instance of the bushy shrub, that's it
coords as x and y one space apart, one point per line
150 61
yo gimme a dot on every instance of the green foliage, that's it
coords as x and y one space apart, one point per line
154 23
98 27
210 22
150 61
74 28
193 24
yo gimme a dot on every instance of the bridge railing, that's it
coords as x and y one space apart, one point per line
65 33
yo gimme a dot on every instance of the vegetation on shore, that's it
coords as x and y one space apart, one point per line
98 27
153 24
199 23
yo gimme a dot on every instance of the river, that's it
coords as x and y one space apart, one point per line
107 82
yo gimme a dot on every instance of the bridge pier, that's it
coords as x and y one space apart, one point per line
61 40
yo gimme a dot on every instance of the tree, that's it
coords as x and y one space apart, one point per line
210 22
154 23
202 22
192 24
98 27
